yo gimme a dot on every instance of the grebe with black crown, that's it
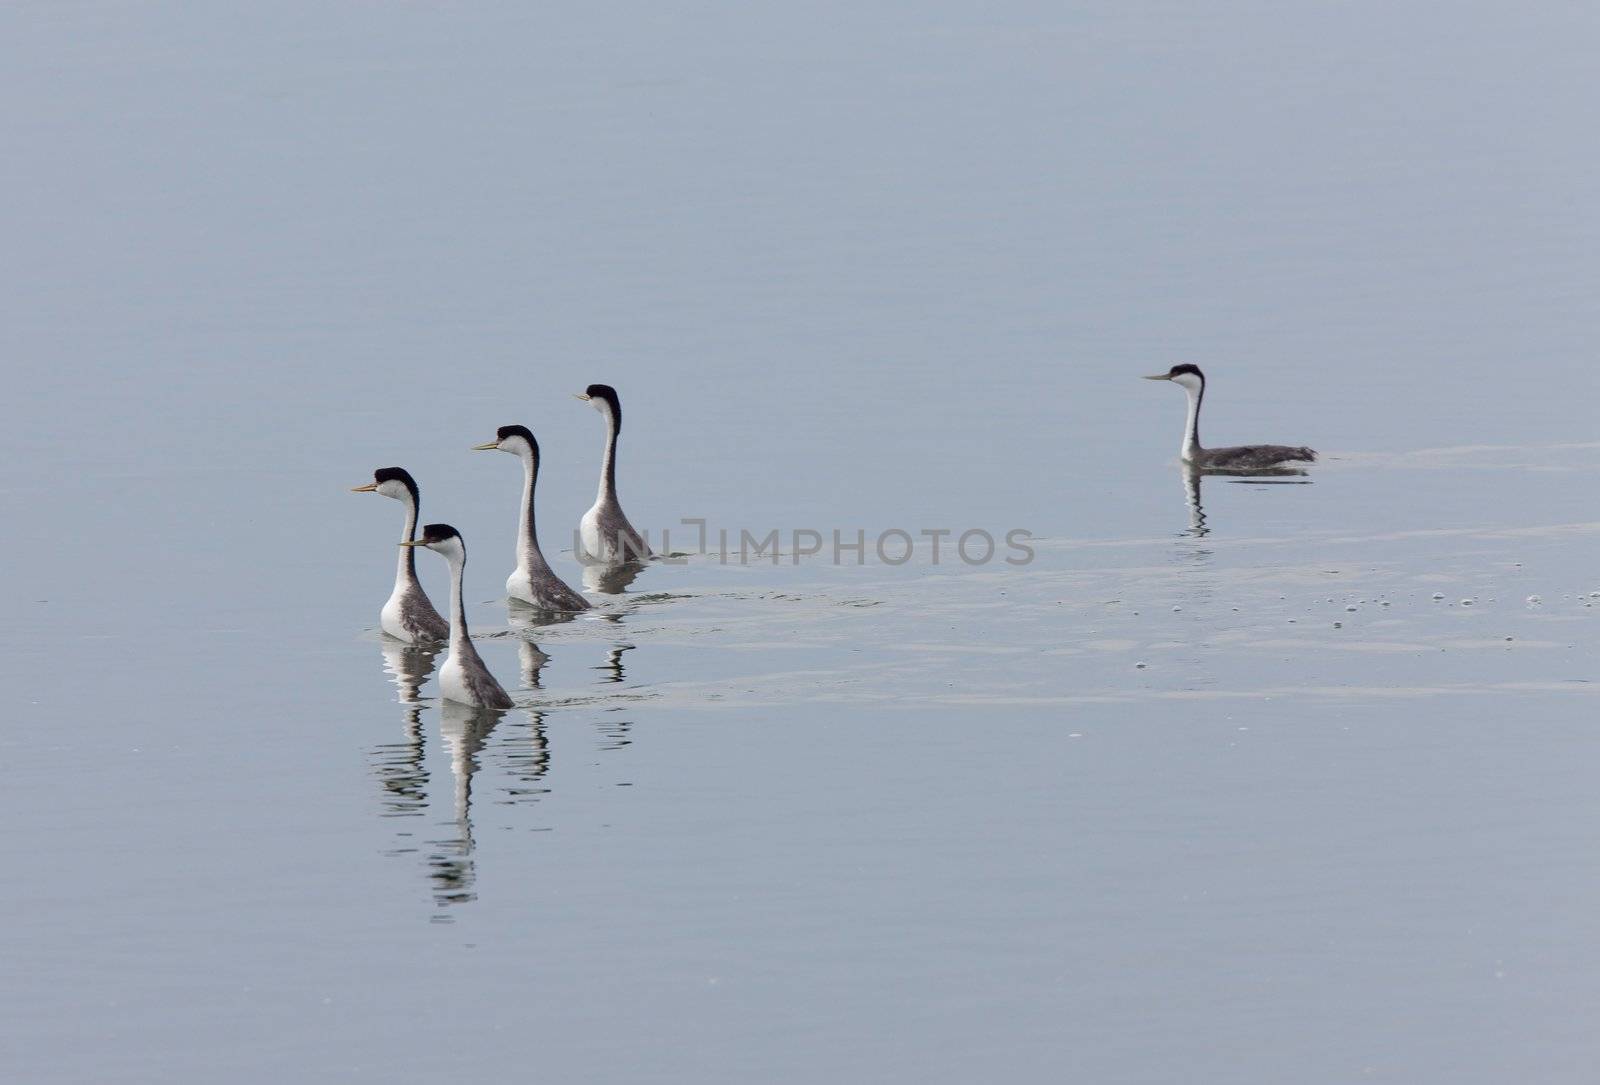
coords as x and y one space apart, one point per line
408 615
604 535
533 581
463 678
1238 458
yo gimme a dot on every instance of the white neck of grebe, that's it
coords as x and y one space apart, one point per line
1195 389
405 575
457 557
608 465
527 535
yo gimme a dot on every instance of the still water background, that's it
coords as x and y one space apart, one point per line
881 266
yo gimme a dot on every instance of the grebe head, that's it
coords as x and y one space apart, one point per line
517 440
603 398
1186 376
441 538
395 482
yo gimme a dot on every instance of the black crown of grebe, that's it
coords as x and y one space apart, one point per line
394 474
463 678
532 581
605 537
434 534
408 615
524 432
607 395
1236 458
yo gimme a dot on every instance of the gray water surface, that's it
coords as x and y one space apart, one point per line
1213 789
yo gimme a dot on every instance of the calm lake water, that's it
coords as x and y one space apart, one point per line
1295 783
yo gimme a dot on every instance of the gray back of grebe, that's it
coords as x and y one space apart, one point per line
1236 457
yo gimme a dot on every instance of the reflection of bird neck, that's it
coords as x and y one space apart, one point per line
533 661
463 767
539 763
1191 490
614 662
405 575
1191 428
464 733
408 666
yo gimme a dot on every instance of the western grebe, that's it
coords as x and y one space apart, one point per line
408 615
463 677
605 535
533 581
1240 458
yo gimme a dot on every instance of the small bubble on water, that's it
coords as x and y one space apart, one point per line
1352 610
1139 666
1534 600
1466 602
1383 602
1438 595
1338 625
1176 609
